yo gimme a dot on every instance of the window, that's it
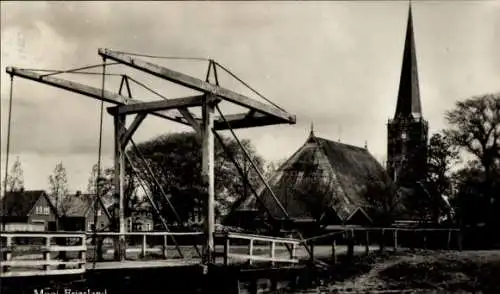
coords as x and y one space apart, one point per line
101 225
98 212
148 227
91 227
42 210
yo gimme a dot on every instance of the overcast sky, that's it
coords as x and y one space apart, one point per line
336 64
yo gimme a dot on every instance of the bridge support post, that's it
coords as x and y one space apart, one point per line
208 175
119 181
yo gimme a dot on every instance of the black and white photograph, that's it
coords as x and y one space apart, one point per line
244 147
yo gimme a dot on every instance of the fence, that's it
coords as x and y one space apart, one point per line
40 254
273 257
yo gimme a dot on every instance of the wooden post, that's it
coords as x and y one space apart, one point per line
99 253
292 251
367 242
165 246
273 248
227 244
311 246
250 251
119 181
460 240
334 253
8 252
350 245
208 175
449 240
413 240
395 240
382 240
144 245
46 253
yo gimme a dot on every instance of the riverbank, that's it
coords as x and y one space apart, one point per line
420 271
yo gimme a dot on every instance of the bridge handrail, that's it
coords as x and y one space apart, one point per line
8 262
342 229
149 233
262 238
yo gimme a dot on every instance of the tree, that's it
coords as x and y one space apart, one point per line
442 154
475 127
385 199
15 178
58 186
272 166
176 161
107 188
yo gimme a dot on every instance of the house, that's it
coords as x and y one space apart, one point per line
32 208
140 222
323 183
77 213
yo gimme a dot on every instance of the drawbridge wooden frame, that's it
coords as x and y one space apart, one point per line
257 114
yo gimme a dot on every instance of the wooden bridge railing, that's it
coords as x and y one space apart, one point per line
251 256
144 248
34 253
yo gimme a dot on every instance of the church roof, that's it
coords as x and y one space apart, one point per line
337 172
409 93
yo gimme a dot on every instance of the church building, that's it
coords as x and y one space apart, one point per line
407 132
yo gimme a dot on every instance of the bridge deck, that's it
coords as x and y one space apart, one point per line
131 264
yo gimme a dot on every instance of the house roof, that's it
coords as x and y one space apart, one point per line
20 203
78 205
344 170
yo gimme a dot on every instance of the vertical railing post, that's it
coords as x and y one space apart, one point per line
311 246
367 242
395 240
165 246
250 251
144 245
459 239
8 251
227 244
46 253
449 240
334 251
292 251
382 240
83 253
273 247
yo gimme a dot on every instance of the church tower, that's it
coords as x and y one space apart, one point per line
408 131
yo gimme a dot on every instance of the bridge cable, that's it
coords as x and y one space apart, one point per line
98 176
4 208
72 72
245 84
80 68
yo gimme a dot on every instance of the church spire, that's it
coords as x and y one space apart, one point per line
409 92
311 134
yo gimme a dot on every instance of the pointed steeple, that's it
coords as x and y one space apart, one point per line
409 92
311 133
